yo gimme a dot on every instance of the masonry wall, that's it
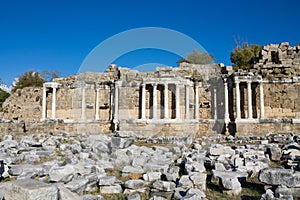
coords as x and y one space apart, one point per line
282 100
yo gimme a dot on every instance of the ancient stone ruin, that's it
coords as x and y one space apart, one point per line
206 98
96 135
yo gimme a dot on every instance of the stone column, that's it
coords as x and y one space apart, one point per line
97 104
261 100
53 102
116 103
83 103
226 115
177 94
249 100
166 101
187 101
238 99
215 104
44 103
143 111
196 100
154 111
112 89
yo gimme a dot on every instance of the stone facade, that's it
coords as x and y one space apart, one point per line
186 100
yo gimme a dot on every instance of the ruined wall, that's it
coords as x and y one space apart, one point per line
278 65
263 128
25 104
282 100
277 61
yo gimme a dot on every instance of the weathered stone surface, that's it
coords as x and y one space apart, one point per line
106 180
194 193
164 186
134 197
231 183
130 169
62 174
152 176
282 192
179 193
134 184
28 189
172 173
268 195
92 197
219 149
157 198
123 134
185 182
121 143
274 153
199 180
114 189
66 194
27 170
77 185
279 176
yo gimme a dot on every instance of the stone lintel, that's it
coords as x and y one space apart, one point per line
174 80
296 120
51 84
162 121
247 121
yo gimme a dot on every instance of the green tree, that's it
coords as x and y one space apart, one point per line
3 96
29 79
196 57
245 56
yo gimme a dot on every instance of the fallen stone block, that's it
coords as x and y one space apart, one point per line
28 189
66 194
280 176
134 184
152 176
164 186
123 134
62 174
134 197
121 143
107 180
219 149
199 180
274 153
78 185
185 182
113 189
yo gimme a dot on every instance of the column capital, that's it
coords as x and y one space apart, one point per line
97 86
51 84
118 83
237 81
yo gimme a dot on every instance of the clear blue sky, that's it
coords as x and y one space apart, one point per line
58 35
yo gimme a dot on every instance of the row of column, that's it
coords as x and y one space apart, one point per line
238 100
83 104
166 101
54 87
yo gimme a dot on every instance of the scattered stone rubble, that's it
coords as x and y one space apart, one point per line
65 166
